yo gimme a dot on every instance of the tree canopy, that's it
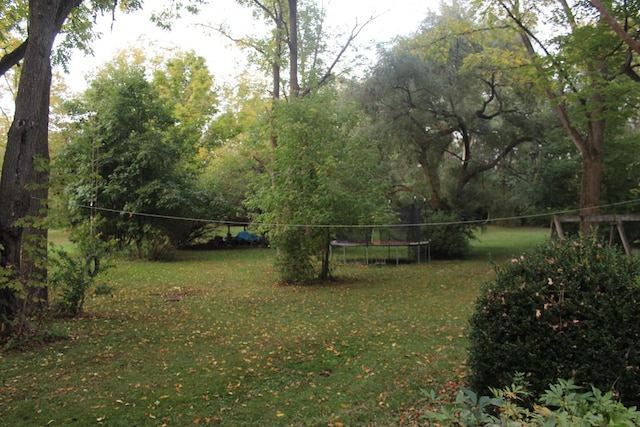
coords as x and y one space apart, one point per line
328 174
579 65
133 150
449 103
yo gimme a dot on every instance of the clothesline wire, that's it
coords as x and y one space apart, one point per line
268 225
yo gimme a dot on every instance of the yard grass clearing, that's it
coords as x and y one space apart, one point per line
209 339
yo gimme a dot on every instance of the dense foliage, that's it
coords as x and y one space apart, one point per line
70 278
324 175
131 155
448 236
446 107
567 309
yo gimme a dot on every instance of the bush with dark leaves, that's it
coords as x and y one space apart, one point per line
568 309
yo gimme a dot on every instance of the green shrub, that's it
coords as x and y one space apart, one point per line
564 404
70 278
448 238
295 256
568 309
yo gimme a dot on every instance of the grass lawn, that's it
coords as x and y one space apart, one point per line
209 339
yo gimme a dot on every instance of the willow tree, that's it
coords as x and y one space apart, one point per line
578 62
447 106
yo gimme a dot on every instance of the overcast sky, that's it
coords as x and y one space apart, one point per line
398 17
393 18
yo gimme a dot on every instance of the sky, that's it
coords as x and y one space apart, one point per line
225 61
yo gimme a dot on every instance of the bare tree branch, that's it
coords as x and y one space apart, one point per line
12 58
355 32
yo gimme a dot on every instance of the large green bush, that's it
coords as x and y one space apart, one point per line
448 237
568 309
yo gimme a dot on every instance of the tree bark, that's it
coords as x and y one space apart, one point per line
431 173
276 71
592 162
591 146
25 174
616 27
294 86
13 58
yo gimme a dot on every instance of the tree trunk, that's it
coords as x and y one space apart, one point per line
618 29
591 147
294 85
276 74
25 173
431 174
325 268
592 161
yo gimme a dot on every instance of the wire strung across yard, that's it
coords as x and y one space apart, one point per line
246 223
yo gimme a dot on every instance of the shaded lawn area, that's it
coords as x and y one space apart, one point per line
209 339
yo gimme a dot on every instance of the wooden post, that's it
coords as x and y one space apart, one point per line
558 226
623 237
616 221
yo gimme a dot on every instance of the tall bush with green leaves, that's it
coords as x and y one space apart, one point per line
324 174
70 278
567 309
133 150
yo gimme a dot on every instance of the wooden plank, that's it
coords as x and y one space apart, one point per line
615 221
598 218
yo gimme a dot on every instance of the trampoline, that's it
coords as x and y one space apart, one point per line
405 237
419 247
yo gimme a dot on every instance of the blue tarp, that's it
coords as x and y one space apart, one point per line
245 236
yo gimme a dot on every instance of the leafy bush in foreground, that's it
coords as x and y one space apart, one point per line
568 309
564 404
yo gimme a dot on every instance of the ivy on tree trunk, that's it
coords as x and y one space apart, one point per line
25 174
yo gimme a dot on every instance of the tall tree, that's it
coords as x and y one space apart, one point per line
622 17
185 84
329 175
298 42
25 176
446 103
23 185
578 71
